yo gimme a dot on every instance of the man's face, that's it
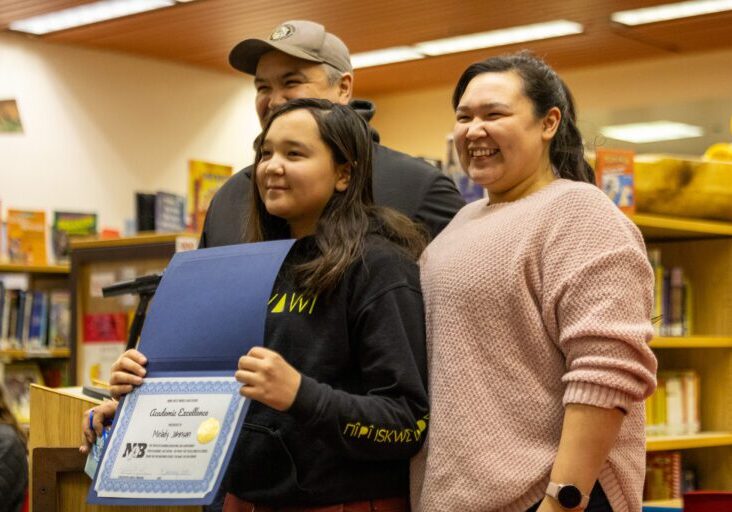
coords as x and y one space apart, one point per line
281 77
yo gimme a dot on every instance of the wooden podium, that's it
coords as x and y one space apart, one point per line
58 482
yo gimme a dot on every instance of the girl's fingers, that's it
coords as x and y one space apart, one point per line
119 378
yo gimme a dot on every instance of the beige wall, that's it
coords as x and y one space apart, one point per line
417 121
99 126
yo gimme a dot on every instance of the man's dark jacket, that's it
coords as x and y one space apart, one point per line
407 184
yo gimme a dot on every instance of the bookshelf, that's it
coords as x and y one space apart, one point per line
41 364
704 250
96 263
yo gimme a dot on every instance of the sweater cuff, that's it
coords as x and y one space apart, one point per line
304 407
600 396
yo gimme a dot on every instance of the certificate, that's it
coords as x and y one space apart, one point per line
171 439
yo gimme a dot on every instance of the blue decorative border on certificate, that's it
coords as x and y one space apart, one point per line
159 487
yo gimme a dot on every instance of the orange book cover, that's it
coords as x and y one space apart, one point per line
614 175
27 237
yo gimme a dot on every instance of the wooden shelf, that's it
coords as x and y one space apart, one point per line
146 238
17 355
661 227
34 269
663 505
701 440
692 342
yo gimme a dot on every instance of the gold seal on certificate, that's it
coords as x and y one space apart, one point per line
208 430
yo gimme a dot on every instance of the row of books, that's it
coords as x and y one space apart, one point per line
34 320
672 304
666 477
674 408
24 237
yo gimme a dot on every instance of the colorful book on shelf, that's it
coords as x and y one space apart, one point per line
614 175
654 256
672 298
59 318
69 225
674 408
105 327
27 237
663 476
170 212
204 179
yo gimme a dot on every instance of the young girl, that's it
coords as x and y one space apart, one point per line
339 387
538 305
13 460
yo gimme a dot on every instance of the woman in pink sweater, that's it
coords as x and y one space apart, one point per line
538 304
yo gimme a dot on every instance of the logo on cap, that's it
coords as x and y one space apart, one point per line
282 32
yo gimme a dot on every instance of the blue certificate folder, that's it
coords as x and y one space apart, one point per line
209 310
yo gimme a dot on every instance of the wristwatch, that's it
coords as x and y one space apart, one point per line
568 496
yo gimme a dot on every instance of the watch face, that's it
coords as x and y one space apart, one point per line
569 496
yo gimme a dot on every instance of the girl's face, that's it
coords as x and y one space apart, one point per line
297 176
501 144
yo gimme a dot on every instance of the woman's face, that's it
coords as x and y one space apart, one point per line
296 176
501 144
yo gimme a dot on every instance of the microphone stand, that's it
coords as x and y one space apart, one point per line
144 287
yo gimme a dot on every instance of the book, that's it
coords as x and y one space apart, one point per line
654 256
170 212
105 327
204 179
663 476
144 211
68 225
614 175
59 318
27 237
675 424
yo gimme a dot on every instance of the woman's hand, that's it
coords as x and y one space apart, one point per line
127 372
102 414
268 378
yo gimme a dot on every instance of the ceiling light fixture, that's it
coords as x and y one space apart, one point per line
500 37
85 15
385 56
668 12
466 43
654 131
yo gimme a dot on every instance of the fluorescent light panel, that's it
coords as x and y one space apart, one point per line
466 43
500 37
655 131
384 56
667 12
85 15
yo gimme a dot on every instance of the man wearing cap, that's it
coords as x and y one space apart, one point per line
301 60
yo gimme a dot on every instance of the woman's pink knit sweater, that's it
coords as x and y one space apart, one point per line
531 305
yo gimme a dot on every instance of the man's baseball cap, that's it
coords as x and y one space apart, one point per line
302 39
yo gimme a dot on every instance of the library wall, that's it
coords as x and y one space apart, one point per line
417 122
98 126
